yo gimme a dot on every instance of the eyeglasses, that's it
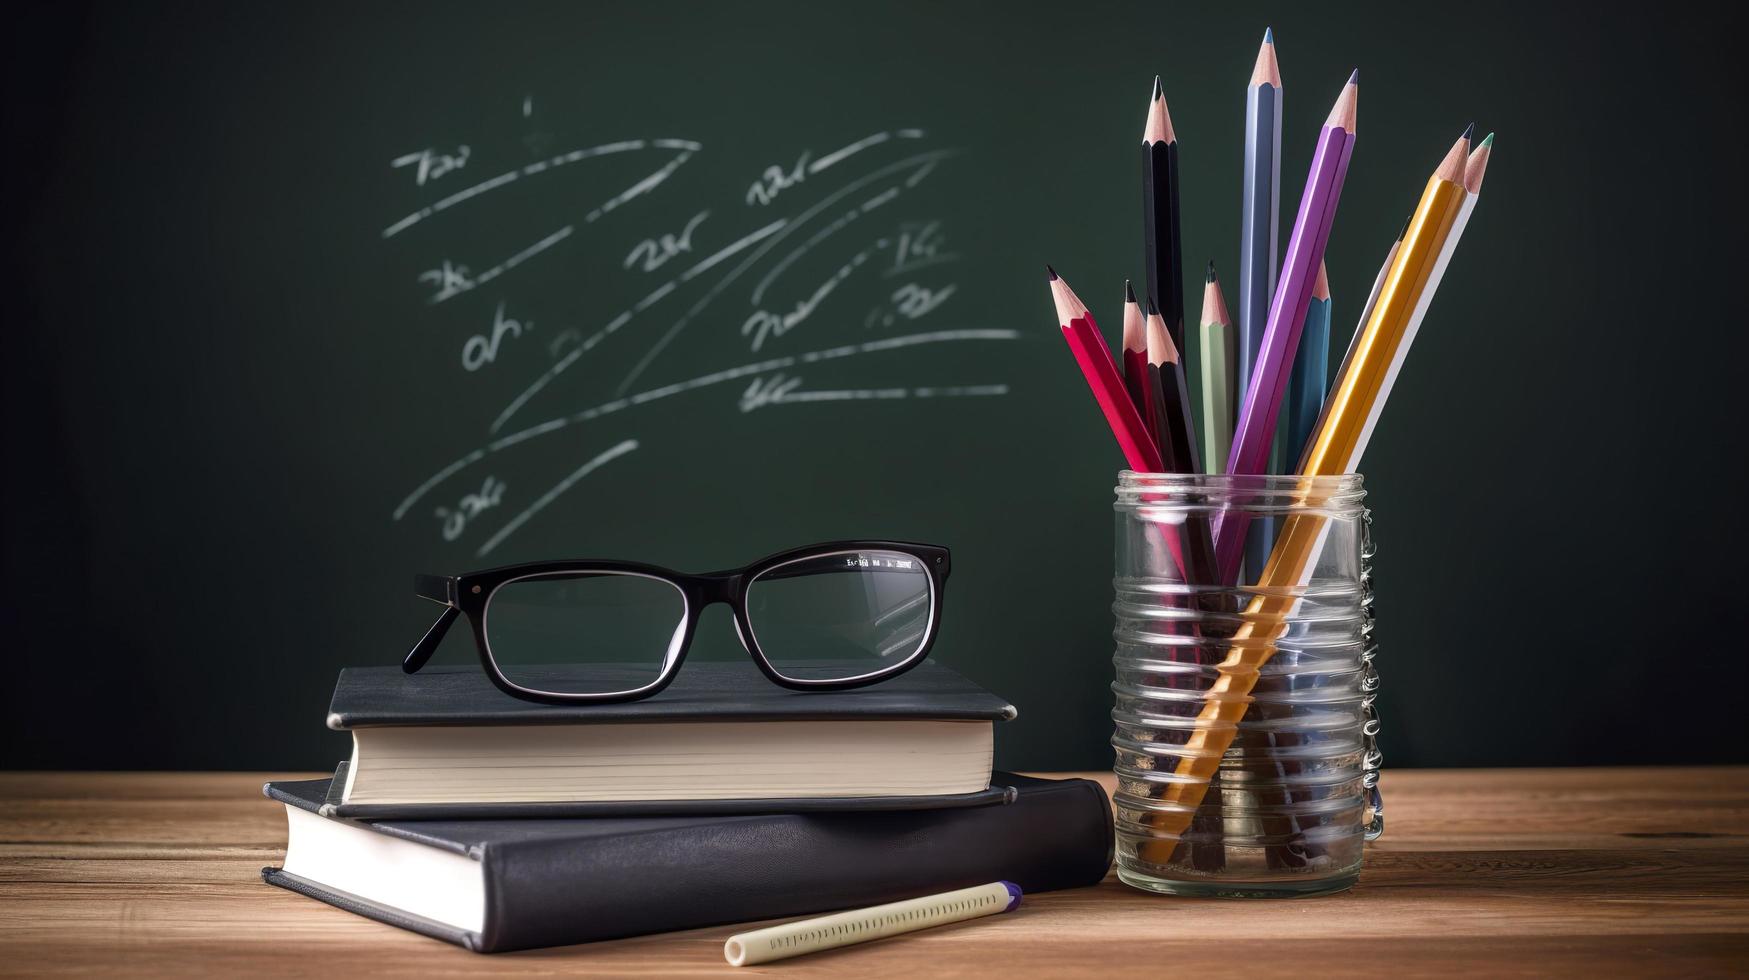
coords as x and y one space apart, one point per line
825 617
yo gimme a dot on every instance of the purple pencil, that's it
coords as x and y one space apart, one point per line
1287 312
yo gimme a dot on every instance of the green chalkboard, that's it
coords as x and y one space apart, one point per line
326 296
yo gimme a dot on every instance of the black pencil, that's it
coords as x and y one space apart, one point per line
1171 396
1161 244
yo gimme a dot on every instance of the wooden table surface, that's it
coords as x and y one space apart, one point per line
1498 872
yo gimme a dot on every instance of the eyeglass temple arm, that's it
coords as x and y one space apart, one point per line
436 588
439 589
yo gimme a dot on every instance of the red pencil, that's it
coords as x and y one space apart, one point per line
1135 365
1094 357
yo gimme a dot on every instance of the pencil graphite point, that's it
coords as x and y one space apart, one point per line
1159 92
1487 141
1152 309
1129 295
1354 79
1470 131
1210 277
1268 35
1050 273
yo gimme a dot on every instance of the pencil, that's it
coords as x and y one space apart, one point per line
1360 393
1217 374
1260 227
1305 400
1135 359
1310 378
1163 250
1372 299
780 942
1170 395
1259 237
1343 432
1261 407
1474 169
1193 544
1166 373
1094 358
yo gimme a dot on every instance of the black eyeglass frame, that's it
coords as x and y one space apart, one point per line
469 594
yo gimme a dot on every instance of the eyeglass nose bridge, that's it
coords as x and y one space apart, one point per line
718 587
723 587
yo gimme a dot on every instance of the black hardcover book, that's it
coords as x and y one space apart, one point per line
495 885
445 743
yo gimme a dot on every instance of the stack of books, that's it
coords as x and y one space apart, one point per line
501 824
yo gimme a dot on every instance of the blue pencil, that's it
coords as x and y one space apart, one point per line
1259 232
1259 229
1309 382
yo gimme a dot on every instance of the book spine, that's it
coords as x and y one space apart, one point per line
738 869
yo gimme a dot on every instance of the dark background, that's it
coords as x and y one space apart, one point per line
221 379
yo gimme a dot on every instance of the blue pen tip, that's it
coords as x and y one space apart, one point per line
1268 35
1013 895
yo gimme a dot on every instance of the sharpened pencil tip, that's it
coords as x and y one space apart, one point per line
1476 166
1152 309
1210 277
1158 127
1268 35
1129 295
1470 131
1050 272
1342 113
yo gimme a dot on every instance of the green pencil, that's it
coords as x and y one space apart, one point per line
1216 334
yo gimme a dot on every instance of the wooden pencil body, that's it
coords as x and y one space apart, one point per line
1259 227
1094 358
1217 395
1308 385
1254 434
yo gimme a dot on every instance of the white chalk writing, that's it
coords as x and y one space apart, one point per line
428 164
481 350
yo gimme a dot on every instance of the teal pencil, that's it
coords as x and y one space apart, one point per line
1309 382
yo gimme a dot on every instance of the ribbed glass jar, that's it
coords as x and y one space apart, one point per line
1245 755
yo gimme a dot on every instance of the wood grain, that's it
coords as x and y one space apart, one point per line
1500 873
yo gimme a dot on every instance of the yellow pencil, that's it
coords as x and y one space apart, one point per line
1337 442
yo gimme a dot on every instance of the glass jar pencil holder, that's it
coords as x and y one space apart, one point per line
1245 730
